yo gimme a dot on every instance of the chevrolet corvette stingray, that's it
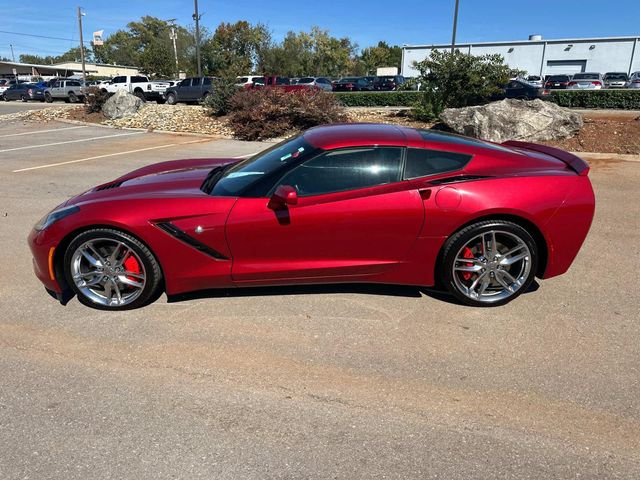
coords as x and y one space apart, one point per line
342 203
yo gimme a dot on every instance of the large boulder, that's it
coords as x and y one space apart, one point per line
530 120
121 104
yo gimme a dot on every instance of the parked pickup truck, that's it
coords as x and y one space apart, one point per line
279 82
192 89
68 90
139 85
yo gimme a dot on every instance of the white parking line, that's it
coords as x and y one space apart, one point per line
109 155
43 131
69 141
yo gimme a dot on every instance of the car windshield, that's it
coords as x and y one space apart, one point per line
558 78
240 176
306 80
348 80
616 76
387 79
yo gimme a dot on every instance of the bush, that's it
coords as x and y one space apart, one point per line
614 99
272 112
222 91
94 99
378 99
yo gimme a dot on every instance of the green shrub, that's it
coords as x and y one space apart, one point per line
94 99
221 92
378 99
614 99
271 112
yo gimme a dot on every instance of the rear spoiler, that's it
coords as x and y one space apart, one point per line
574 162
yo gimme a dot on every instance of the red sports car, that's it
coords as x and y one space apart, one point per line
342 203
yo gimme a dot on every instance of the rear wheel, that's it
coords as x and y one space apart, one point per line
139 94
73 98
111 270
489 263
171 99
47 97
23 98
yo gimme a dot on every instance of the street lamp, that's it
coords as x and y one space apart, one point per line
455 27
84 71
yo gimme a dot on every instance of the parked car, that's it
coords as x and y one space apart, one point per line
24 92
319 82
283 83
338 203
372 81
6 83
138 85
388 82
247 80
192 89
557 82
586 81
68 90
351 84
615 79
634 80
524 90
535 80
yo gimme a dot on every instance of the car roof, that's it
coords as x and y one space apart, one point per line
354 134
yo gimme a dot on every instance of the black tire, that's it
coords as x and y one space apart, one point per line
171 99
460 240
48 98
73 98
153 273
140 95
23 98
4 97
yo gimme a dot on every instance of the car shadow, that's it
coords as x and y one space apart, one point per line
360 288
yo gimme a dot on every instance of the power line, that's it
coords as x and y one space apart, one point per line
43 36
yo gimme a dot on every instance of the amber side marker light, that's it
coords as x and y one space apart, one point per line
52 274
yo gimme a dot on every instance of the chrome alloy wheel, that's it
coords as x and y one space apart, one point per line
108 272
492 266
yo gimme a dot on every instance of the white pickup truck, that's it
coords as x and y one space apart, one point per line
139 85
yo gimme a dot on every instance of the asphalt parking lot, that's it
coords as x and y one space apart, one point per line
302 383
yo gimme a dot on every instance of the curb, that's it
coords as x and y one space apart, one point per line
185 134
607 156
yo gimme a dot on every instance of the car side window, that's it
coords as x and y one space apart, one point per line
207 81
196 82
346 169
186 82
421 162
513 85
119 79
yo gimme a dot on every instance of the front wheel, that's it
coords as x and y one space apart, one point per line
73 98
23 98
111 270
171 99
489 263
48 98
140 95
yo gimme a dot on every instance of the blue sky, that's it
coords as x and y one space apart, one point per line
406 21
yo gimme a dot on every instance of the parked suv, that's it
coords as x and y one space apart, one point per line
615 79
319 82
24 92
388 82
557 82
139 85
634 80
69 90
192 89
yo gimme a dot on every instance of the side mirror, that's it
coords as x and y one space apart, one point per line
284 195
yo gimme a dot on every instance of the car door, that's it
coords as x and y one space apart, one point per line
354 218
182 90
515 90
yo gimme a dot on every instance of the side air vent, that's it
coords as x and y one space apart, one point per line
458 179
109 186
181 235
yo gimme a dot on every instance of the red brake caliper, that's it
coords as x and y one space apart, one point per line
467 253
132 265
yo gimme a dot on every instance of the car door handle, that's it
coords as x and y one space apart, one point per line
425 193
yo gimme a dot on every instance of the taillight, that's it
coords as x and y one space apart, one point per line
637 80
545 92
596 83
571 84
30 91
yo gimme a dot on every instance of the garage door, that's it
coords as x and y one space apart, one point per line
558 67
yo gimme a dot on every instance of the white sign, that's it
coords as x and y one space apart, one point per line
97 37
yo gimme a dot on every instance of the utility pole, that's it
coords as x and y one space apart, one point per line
12 54
455 27
84 70
196 17
173 36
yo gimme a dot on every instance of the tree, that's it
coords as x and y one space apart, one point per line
382 55
234 49
456 79
71 55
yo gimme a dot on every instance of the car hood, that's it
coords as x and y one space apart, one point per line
181 178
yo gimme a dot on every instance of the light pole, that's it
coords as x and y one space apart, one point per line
455 27
12 54
196 17
84 71
173 36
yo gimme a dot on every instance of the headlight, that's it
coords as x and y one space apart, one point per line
54 216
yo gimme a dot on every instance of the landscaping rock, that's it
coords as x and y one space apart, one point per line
528 120
121 105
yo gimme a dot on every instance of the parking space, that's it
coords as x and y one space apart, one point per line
310 382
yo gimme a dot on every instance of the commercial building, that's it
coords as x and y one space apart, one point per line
64 69
538 56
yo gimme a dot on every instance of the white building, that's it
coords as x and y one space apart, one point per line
545 57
